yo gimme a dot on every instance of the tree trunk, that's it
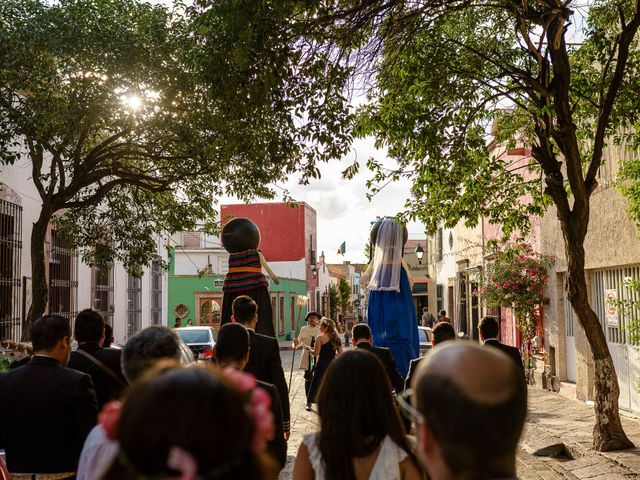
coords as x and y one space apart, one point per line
38 272
608 433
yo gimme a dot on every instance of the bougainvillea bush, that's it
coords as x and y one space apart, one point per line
516 277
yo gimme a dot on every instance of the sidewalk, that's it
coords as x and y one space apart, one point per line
555 420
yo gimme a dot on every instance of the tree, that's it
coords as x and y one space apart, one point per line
439 73
344 287
334 301
116 105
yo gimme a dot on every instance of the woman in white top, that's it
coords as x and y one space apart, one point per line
361 436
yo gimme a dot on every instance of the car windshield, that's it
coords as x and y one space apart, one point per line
194 336
423 336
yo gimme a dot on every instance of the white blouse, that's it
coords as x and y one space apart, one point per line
387 466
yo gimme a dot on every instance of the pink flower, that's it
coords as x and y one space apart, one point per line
182 461
259 408
243 381
108 418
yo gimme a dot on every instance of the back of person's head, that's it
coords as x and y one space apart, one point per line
244 309
489 327
361 331
108 335
474 404
356 412
47 331
332 331
443 331
196 412
442 313
89 326
147 347
232 344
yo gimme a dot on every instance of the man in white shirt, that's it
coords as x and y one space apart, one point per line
307 339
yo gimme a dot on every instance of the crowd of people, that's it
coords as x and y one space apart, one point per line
137 413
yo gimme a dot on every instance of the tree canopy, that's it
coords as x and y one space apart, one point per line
441 79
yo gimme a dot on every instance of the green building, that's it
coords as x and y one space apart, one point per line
199 299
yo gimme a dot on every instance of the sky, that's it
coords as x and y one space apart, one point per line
344 214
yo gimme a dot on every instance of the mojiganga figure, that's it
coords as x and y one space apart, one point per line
241 238
391 314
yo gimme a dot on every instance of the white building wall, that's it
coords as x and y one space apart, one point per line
445 269
17 178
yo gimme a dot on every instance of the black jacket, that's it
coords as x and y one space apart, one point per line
389 363
107 388
46 412
265 364
413 368
278 446
512 352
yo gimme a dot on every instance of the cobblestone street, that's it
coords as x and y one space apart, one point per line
552 419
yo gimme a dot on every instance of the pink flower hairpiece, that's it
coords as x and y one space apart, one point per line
108 418
259 407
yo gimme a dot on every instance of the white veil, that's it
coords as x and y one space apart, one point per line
387 258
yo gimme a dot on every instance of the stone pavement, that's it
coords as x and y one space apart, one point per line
552 419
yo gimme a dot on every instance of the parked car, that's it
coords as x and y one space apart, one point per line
201 341
186 355
425 336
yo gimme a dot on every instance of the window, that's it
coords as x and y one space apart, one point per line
156 293
292 312
191 239
103 292
63 277
439 297
10 280
134 305
281 317
210 311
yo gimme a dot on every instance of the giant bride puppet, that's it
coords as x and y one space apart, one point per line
391 314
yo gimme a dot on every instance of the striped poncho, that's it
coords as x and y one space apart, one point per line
245 272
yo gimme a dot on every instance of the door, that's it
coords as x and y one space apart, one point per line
606 285
569 337
210 311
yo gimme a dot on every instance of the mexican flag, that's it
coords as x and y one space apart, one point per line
342 249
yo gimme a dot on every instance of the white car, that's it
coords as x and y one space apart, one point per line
201 341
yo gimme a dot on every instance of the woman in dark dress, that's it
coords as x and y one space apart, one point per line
327 347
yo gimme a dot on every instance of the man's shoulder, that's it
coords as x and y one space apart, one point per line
382 351
260 339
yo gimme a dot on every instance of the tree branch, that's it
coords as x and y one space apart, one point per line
626 38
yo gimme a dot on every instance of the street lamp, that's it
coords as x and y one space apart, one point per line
419 253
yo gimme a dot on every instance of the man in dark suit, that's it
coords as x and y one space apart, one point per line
489 329
103 364
442 332
232 350
362 339
47 409
264 358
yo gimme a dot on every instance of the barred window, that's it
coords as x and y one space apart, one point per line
156 293
103 292
134 305
10 279
63 277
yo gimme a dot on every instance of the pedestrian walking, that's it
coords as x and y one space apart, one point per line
307 338
327 347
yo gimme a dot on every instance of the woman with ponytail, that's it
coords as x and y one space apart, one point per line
328 346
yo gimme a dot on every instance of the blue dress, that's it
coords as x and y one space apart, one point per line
394 324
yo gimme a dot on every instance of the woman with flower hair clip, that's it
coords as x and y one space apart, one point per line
217 432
